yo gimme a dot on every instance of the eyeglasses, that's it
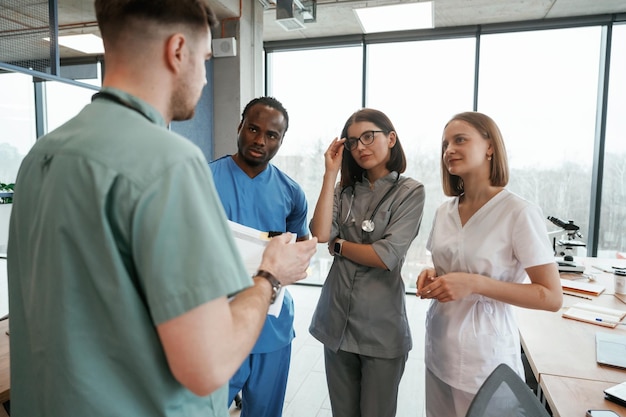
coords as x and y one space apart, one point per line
367 138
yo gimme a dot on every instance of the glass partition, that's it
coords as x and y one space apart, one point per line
17 122
25 103
64 101
19 113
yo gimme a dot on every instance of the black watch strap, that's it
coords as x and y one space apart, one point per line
276 285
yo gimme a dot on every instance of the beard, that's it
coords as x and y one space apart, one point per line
183 102
181 109
181 117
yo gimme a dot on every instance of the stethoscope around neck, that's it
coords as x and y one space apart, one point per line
119 100
368 225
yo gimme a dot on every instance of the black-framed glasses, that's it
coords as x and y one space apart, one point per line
367 138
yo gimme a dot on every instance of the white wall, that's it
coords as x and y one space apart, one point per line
239 79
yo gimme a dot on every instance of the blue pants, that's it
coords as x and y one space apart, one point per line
262 380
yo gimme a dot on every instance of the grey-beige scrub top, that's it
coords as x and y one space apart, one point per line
362 309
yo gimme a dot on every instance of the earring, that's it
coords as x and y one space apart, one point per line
488 157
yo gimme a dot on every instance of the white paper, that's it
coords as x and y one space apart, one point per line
590 313
251 243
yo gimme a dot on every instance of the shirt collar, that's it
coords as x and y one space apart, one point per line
393 176
132 102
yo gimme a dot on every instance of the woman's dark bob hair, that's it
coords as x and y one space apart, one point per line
351 172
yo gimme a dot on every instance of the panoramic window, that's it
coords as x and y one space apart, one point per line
541 89
320 89
420 86
540 86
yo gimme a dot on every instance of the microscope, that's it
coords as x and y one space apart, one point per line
565 247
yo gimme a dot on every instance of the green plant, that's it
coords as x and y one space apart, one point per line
6 193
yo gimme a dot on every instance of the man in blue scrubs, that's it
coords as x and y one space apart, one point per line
257 194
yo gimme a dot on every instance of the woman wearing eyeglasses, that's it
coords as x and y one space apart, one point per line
369 220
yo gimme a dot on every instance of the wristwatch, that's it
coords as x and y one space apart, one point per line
276 285
338 246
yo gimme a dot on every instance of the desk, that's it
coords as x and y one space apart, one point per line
562 353
5 375
558 346
566 395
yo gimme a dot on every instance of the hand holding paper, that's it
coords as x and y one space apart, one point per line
288 261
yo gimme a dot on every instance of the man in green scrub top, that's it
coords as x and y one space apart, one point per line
116 306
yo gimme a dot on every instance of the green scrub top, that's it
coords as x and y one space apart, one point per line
116 228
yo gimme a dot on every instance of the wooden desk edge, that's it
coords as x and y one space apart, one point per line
564 395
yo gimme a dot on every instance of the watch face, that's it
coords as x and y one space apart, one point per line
337 248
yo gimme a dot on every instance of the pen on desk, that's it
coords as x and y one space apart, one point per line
610 322
577 295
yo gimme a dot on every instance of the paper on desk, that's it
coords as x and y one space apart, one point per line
594 314
582 287
251 243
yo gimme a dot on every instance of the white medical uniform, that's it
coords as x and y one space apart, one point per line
467 338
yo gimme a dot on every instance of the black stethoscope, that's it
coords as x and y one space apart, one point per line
119 100
367 225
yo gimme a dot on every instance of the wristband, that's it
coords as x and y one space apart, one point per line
276 285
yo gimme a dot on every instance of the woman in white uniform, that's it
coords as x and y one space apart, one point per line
490 250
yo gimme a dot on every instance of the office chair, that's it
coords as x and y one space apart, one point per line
505 394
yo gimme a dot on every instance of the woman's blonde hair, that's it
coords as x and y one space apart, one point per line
488 129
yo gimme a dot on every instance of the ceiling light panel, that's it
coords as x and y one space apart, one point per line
406 16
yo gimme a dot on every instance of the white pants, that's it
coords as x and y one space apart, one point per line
442 400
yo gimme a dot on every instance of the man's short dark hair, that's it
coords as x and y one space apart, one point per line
271 102
114 15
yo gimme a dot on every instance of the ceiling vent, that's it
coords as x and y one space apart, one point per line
288 16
